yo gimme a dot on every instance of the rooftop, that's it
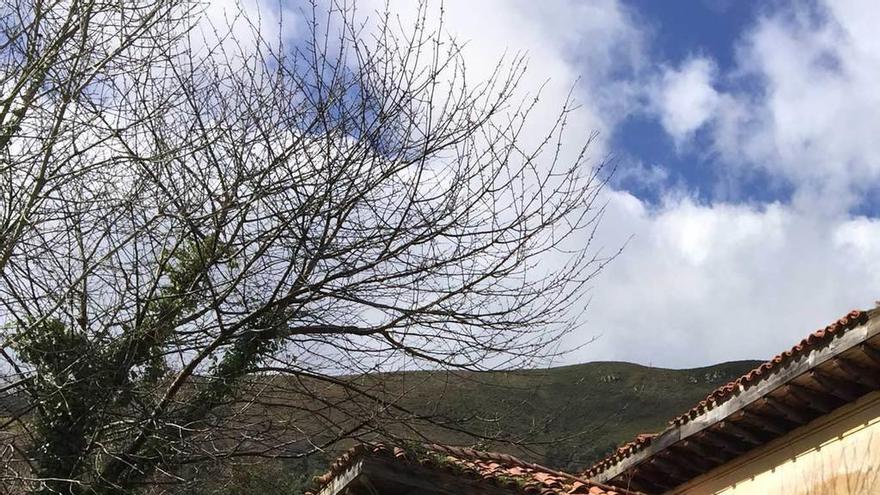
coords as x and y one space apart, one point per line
441 469
831 367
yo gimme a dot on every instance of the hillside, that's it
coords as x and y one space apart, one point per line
572 414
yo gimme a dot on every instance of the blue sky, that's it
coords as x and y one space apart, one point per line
749 163
684 29
719 33
680 31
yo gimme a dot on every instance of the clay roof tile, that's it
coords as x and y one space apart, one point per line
498 469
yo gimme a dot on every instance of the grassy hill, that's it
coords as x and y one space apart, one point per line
572 415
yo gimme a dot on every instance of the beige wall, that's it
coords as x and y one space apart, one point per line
838 454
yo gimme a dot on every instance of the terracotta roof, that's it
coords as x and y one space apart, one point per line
498 469
725 392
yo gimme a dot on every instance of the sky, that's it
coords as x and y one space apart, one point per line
745 135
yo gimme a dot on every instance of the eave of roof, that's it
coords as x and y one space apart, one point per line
769 377
495 469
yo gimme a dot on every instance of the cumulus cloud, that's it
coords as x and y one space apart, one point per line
685 98
815 116
707 282
636 174
699 283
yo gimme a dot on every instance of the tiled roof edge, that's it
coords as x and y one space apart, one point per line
729 390
410 455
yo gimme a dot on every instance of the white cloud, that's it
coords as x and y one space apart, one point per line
702 283
699 284
686 99
635 173
815 117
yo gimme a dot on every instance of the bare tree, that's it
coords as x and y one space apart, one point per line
210 238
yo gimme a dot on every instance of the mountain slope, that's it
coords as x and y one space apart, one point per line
573 414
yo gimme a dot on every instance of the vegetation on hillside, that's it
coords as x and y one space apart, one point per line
564 417
567 417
